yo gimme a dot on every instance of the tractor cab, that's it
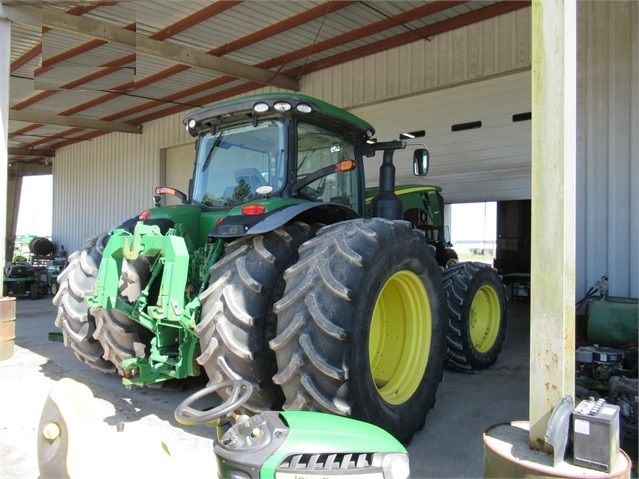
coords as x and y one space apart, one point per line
272 158
274 146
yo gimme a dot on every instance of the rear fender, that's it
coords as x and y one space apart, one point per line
311 212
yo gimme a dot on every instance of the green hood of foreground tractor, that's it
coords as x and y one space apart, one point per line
311 432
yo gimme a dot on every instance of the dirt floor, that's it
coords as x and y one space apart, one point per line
450 445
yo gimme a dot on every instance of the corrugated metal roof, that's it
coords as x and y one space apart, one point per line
292 38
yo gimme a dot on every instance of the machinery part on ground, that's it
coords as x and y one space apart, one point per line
596 365
74 441
477 315
610 373
76 282
236 394
64 419
237 319
361 327
622 391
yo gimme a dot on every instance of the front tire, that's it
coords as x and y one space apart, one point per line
361 326
477 315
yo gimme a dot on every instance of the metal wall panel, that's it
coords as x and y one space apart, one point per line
99 183
608 146
494 46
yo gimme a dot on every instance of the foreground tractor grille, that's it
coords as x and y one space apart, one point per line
327 462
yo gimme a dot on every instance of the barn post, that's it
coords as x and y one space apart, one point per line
7 305
5 70
553 188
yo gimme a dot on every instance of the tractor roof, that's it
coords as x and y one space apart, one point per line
320 110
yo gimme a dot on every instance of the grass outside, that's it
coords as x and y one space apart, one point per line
482 258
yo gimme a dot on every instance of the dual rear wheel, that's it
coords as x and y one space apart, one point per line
361 328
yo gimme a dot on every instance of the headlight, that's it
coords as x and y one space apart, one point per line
395 466
304 108
260 107
282 106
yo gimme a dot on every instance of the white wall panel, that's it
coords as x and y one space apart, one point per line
608 146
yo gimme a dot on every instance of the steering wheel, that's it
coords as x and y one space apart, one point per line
239 392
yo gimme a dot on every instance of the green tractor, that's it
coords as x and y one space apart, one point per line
277 269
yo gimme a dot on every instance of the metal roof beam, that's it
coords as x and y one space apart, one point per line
156 48
50 119
26 16
32 152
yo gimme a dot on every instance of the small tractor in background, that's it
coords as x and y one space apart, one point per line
278 270
30 275
21 279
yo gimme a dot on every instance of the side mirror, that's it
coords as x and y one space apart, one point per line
420 162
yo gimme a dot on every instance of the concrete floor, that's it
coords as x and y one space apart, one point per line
450 445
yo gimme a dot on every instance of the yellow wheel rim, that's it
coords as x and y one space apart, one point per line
400 337
484 319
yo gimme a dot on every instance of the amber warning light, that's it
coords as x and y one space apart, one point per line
346 165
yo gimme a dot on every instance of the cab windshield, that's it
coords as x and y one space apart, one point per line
234 161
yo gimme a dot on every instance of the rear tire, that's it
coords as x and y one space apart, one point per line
361 326
477 315
76 281
237 319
